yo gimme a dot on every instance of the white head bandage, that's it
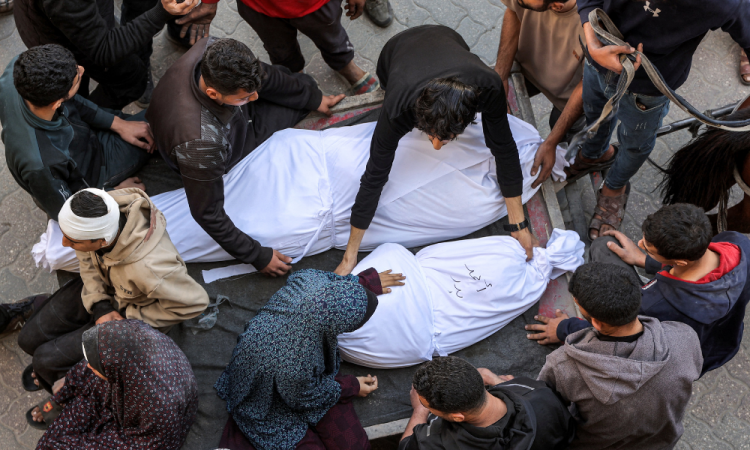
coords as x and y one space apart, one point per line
80 228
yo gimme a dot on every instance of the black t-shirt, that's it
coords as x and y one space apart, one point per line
407 63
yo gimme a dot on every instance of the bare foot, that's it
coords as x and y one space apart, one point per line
36 414
33 375
352 72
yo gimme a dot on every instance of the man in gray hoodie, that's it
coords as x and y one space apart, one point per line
629 376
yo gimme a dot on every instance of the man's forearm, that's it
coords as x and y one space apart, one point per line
573 110
508 47
352 248
515 209
417 418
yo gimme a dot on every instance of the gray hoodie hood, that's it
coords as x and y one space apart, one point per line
628 366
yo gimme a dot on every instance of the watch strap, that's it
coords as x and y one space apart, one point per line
513 227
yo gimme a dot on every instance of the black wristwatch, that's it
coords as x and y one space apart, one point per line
516 226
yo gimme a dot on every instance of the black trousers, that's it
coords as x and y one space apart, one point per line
52 336
323 27
555 114
600 253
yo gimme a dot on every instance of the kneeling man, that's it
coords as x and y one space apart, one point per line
213 107
129 270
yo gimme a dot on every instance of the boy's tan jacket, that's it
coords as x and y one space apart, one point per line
143 275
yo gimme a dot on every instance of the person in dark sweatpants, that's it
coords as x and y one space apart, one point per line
212 108
699 281
453 410
115 57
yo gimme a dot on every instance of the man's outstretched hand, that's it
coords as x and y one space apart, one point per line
198 22
545 157
175 8
132 182
279 265
388 279
328 102
527 240
548 329
490 379
627 250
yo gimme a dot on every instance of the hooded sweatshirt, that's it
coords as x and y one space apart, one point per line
715 310
627 394
536 420
142 276
51 159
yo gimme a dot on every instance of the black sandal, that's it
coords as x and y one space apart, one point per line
49 409
28 381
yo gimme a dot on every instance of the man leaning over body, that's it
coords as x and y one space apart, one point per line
213 107
434 83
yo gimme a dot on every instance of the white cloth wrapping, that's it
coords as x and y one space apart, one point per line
295 192
456 294
94 228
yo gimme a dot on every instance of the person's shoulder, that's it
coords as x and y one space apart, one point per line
680 335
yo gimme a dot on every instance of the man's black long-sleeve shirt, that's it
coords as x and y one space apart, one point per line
407 63
203 140
670 31
87 28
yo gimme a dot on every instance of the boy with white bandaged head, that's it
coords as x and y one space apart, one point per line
129 270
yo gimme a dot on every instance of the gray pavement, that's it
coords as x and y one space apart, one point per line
719 413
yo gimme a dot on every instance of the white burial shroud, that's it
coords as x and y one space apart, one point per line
295 192
456 294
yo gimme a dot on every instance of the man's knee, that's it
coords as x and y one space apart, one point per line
599 251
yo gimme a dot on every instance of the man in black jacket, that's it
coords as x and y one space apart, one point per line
117 58
212 108
453 410
435 84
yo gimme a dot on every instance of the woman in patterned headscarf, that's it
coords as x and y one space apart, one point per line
135 390
281 386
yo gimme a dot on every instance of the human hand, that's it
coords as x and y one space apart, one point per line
628 251
608 56
198 21
134 133
388 279
545 157
548 328
490 379
176 8
328 101
367 385
132 182
278 266
355 8
114 315
527 240
417 406
58 385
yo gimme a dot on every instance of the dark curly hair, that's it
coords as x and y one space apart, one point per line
609 293
679 231
450 385
229 65
44 74
446 107
86 204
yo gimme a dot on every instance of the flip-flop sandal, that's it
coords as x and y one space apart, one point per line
367 83
28 380
582 168
609 211
50 410
744 68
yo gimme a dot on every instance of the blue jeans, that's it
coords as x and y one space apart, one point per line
637 131
121 159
